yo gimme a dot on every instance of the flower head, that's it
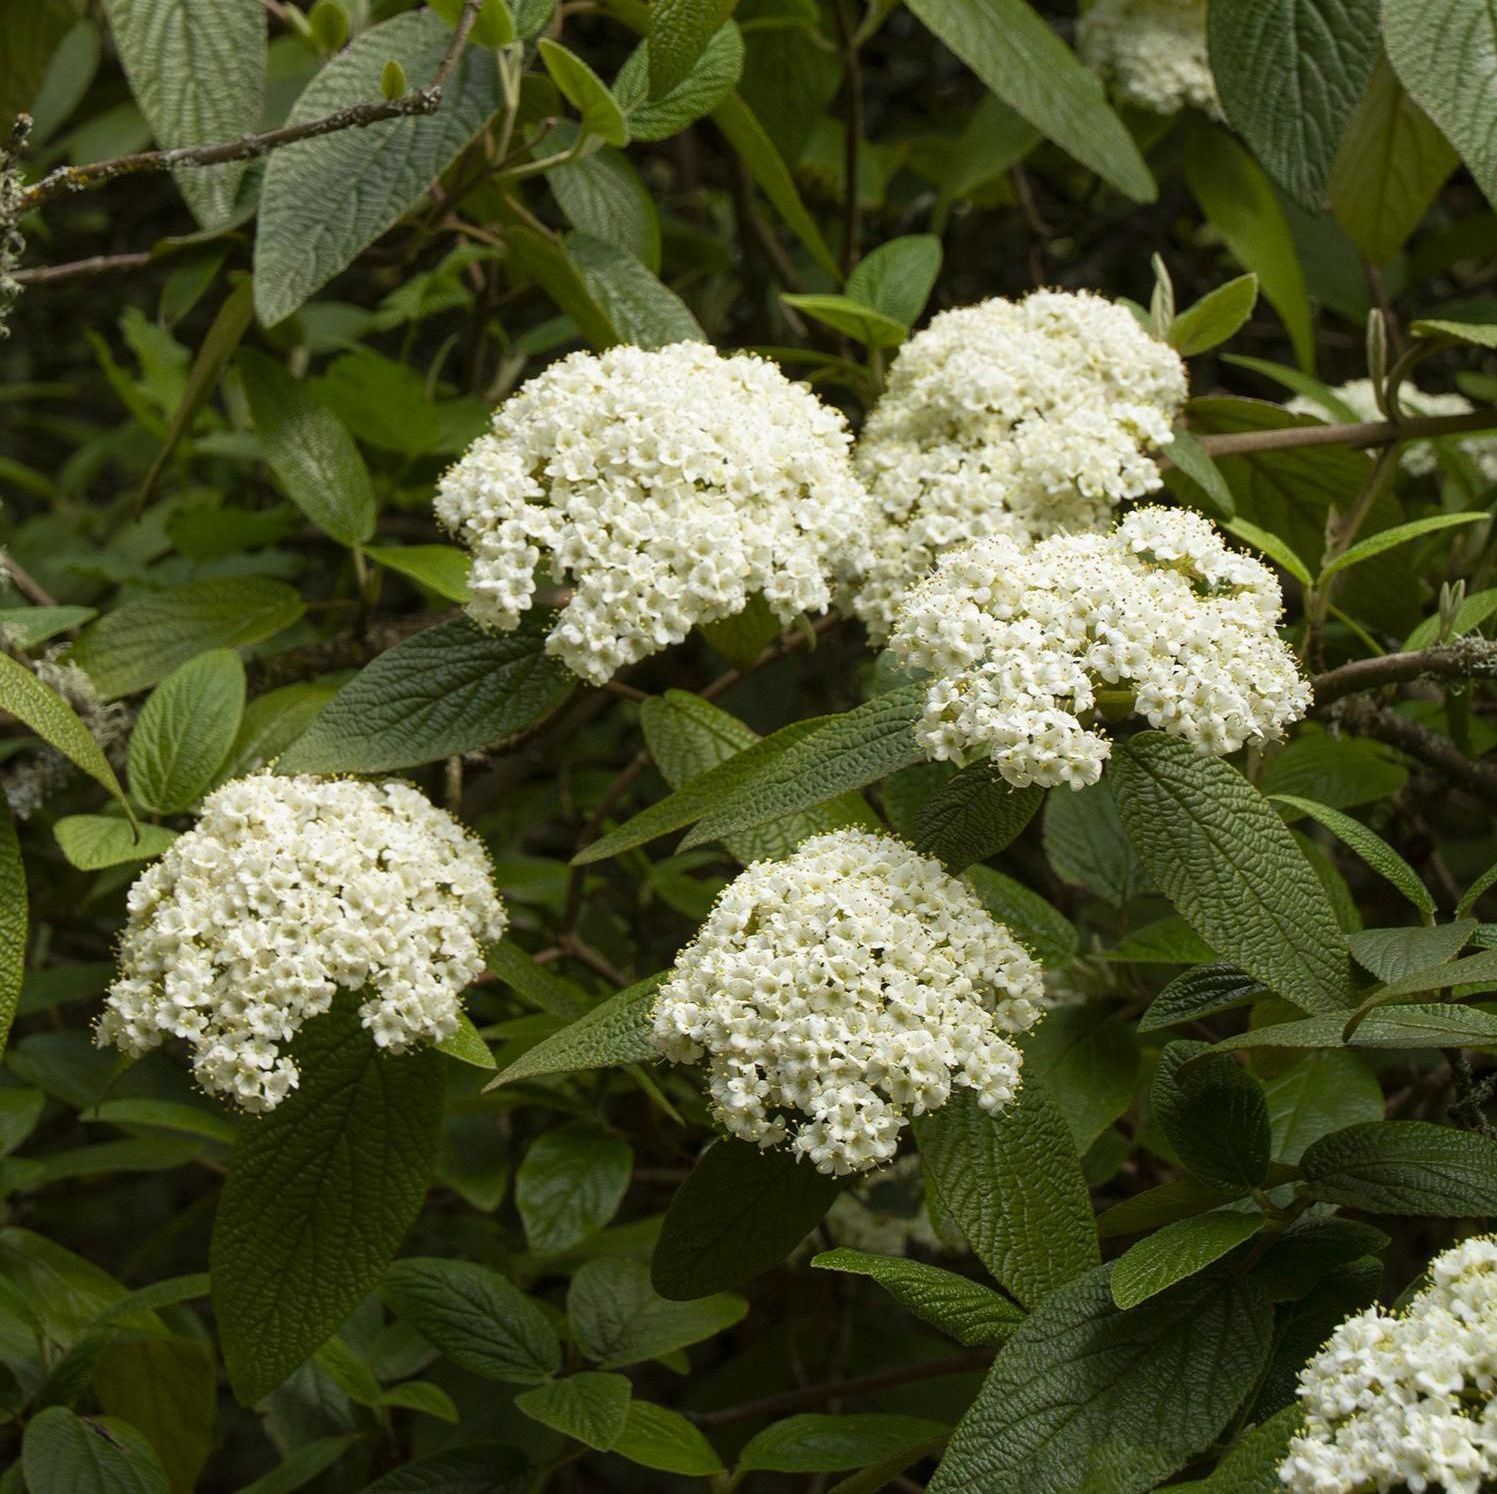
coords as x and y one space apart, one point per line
1010 417
666 487
1407 1399
286 891
1028 647
1153 52
838 991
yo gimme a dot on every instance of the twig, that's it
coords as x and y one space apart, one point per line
1354 433
25 582
1469 658
427 100
1369 720
853 136
813 1395
100 264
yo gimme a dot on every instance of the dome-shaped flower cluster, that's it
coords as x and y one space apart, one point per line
1019 418
839 990
665 486
1417 458
1028 647
286 891
1153 52
1407 1400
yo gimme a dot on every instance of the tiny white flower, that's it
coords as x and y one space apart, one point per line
1153 52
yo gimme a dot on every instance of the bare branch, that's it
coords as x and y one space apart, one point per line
1434 751
99 264
1356 433
1468 658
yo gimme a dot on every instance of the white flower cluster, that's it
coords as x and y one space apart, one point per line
1027 647
287 890
1010 417
1407 1400
1153 52
840 989
668 486
1417 457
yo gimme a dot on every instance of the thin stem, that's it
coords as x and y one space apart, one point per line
1354 433
25 582
99 264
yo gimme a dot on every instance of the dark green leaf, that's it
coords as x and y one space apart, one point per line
1087 845
1088 1059
657 1437
812 1443
714 77
592 1407
13 931
570 1185
680 31
63 1453
473 1468
1405 1167
619 1318
1215 1115
1202 992
973 816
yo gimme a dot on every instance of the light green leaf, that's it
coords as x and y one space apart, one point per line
43 711
680 31
897 277
423 1396
618 1318
185 730
440 568
592 1407
449 689
1220 852
13 931
1399 534
1188 454
1391 954
1405 1167
1290 73
1473 322
814 1443
1081 1379
1271 545
319 1194
656 1437
493 27
643 311
142 641
1013 1184
1445 54
25 627
570 1185
1391 163
1217 316
969 1312
198 74
714 77
844 314
165 1388
1237 199
64 1453
309 450
1369 845
1020 57
466 1045
93 841
1177 1251
327 199
585 91
1322 1092
1470 615
479 1319
617 1031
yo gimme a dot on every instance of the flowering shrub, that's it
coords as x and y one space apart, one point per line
747 747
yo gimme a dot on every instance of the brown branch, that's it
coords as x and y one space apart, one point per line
100 264
814 1395
427 100
1470 658
24 582
1355 433
1434 751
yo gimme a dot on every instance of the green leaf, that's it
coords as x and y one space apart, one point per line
844 314
656 1437
480 1320
319 1194
1423 1026
1391 163
617 1031
1219 851
449 689
602 195
969 1312
309 450
423 1396
1088 1059
43 711
544 258
142 641
1321 1093
164 1388
1340 771
1240 204
1196 463
1252 1467
185 730
494 26
846 752
618 1318
199 77
1019 56
1290 74
271 723
680 31
327 199
764 163
1369 845
586 92
440 568
1391 954
974 815
1445 54
64 1453
1038 925
1178 1251
710 81
642 310
466 1045
1215 1115
472 1468
592 1407
897 277
93 841
739 1213
1279 551
1404 1167
1082 1379
1399 534
1013 1184
570 1185
813 1443
25 627
1473 322
1217 316
14 936
1087 845
1202 992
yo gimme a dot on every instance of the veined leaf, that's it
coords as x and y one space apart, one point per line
711 80
680 31
1177 1251
657 1437
1218 315
1369 845
815 1443
1427 1025
896 278
93 841
616 1031
845 314
643 311
1399 534
974 815
1405 1167
13 930
570 1185
619 1318
591 1407
185 730
64 1453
